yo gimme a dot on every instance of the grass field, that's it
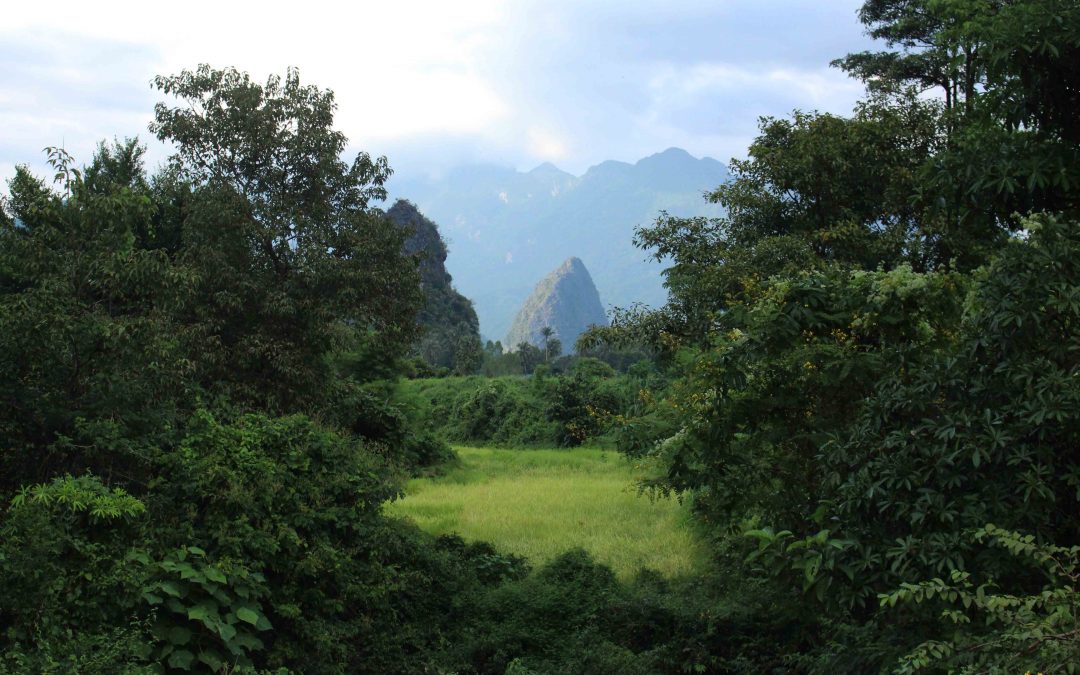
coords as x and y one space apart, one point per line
540 503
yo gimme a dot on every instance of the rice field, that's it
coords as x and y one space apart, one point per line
540 503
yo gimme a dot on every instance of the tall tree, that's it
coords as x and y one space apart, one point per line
294 262
1006 71
876 337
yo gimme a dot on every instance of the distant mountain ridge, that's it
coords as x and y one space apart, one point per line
507 228
566 301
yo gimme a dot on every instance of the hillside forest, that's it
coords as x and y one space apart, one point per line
224 381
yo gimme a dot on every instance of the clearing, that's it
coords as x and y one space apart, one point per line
540 503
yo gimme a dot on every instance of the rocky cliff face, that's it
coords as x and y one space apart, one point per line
451 335
565 301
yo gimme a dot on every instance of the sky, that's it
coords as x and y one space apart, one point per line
433 85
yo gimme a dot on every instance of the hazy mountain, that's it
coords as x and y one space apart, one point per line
507 228
565 301
450 336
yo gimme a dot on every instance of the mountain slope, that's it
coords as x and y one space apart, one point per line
451 336
565 301
508 228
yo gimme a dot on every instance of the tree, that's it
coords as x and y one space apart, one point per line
529 355
93 362
923 58
552 347
816 191
876 340
293 262
1010 90
159 511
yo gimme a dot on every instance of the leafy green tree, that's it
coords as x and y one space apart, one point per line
138 529
530 356
876 343
923 58
293 262
817 191
552 348
997 630
547 335
1005 69
468 355
118 167
498 362
94 366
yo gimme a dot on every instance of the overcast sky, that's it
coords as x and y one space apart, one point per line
436 84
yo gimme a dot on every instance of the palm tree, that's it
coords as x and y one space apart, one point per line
546 332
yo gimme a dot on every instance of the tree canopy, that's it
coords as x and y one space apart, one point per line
877 349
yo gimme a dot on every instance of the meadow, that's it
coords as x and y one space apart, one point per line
541 503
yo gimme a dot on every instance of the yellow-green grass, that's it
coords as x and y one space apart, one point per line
541 503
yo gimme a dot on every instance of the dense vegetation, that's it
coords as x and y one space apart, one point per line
866 383
549 409
878 411
191 468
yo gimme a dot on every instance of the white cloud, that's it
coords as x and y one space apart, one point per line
817 86
432 84
398 69
546 145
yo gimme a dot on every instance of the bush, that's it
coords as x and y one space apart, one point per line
542 410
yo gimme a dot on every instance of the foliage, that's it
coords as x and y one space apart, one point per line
562 410
876 356
94 366
70 591
291 261
206 614
981 432
1038 631
573 616
1005 71
872 419
876 343
166 345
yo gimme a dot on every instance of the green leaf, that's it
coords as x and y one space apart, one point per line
250 616
212 659
213 574
178 635
202 612
171 588
181 659
188 572
226 631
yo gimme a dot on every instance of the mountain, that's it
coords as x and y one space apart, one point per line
507 228
450 337
565 301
